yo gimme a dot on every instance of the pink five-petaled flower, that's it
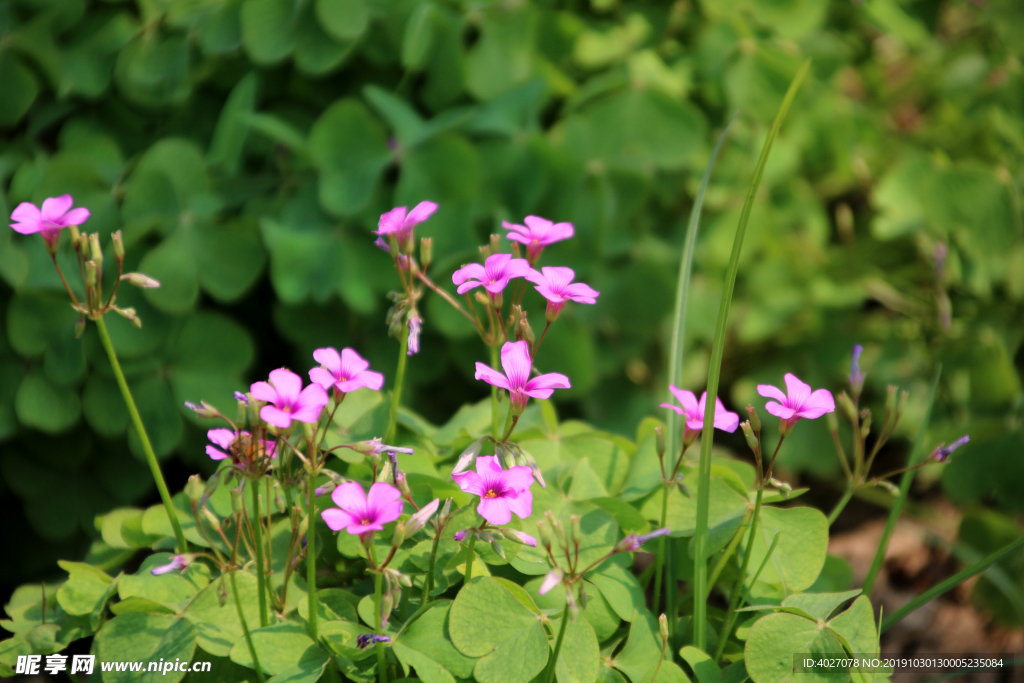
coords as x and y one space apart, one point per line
693 411
494 274
289 401
346 372
515 359
800 401
537 234
55 214
400 224
555 284
361 514
225 438
502 492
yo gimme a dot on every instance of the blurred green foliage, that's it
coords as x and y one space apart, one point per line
247 147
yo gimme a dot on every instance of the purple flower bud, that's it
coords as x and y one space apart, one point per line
241 398
520 537
632 543
177 563
856 376
943 452
140 280
941 252
366 640
552 579
415 325
203 409
459 535
382 243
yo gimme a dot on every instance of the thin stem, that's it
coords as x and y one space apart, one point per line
382 673
671 589
550 675
60 272
737 589
469 557
834 515
495 416
257 530
726 554
311 557
396 392
245 628
897 505
953 581
536 347
428 583
140 429
450 299
660 560
841 452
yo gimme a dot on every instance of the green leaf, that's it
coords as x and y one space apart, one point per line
856 627
171 589
418 37
279 648
775 638
819 605
20 88
268 29
620 588
343 19
217 626
579 660
600 532
705 668
502 57
430 635
173 265
427 670
46 407
153 70
86 591
349 148
642 651
229 135
144 637
487 621
800 555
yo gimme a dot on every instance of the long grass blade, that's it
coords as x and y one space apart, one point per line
905 481
715 371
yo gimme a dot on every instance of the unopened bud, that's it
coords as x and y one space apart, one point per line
498 300
832 422
445 512
901 405
663 627
90 273
577 532
545 537
118 245
96 251
426 251
140 280
551 580
403 486
659 441
571 607
482 298
495 243
387 603
237 503
846 403
211 519
74 235
516 251
83 246
79 327
755 421
748 432
584 596
498 549
889 486
419 519
129 314
527 331
865 424
468 456
194 488
890 399
485 251
204 409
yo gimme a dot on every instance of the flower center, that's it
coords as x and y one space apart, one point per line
287 409
492 493
365 522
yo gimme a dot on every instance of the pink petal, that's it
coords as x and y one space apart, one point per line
550 294
275 416
466 286
495 266
392 221
535 277
558 277
489 468
221 437
696 424
559 232
490 375
517 267
26 212
798 391
55 207
779 410
422 212
261 391
470 482
581 293
287 384
686 398
521 504
672 407
495 510
310 402
821 400
322 377
546 382
473 270
497 286
768 391
75 216
519 233
337 519
538 226
383 494
360 529
328 358
725 420
515 360
352 363
215 454
519 477
350 497
372 379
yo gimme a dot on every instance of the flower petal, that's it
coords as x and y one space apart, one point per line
821 400
420 213
75 216
54 208
221 437
672 407
372 379
581 293
322 377
350 497
352 363
779 410
261 391
519 478
473 271
337 519
546 382
392 221
470 482
490 375
489 468
798 391
275 416
215 454
521 504
26 212
768 391
539 227
287 384
328 358
383 494
515 359
495 510
687 399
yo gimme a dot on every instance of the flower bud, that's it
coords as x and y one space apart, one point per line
755 421
96 251
901 405
516 251
75 236
659 441
446 512
419 519
90 273
482 298
468 456
889 486
398 537
204 409
832 422
498 300
129 313
495 243
485 251
571 607
236 500
498 549
194 488
426 251
79 327
890 399
856 376
943 452
551 580
545 537
83 246
140 280
211 519
387 603
584 597
846 403
663 627
393 248
461 535
118 245
577 532
748 432
865 424
519 537
527 331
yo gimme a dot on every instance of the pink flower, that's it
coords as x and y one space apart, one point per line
346 372
501 492
226 437
800 401
55 215
494 275
537 234
396 222
555 284
693 411
361 514
515 360
177 564
289 401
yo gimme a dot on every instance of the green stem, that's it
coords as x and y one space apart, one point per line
378 581
558 647
700 540
737 589
245 629
908 478
724 559
495 415
140 429
428 583
469 557
834 515
953 581
257 530
396 392
660 560
311 558
671 590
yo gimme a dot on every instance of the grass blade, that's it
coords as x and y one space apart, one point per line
700 548
905 481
